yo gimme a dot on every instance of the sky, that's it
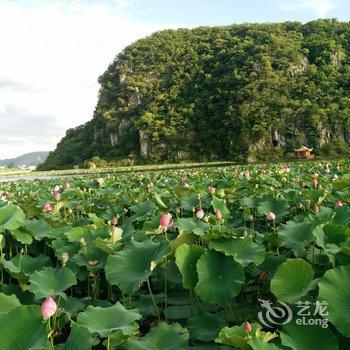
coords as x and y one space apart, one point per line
52 52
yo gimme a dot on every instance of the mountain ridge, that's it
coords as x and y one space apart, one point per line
239 92
27 159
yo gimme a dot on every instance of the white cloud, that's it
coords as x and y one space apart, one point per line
319 7
51 56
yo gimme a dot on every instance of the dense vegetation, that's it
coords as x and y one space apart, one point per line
248 91
177 260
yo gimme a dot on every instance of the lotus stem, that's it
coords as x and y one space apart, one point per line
152 296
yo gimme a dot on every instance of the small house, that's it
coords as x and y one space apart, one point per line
304 153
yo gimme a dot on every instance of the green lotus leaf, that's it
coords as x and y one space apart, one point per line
259 344
299 337
73 305
244 251
22 235
191 225
186 260
206 326
278 206
292 280
220 278
106 320
39 229
187 203
342 215
79 339
250 202
23 265
23 329
238 338
129 268
50 281
334 288
295 235
75 233
218 204
8 303
163 336
142 211
11 217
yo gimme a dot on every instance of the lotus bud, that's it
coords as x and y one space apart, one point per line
166 221
338 203
57 195
82 241
218 214
2 240
200 214
270 216
247 174
114 221
150 186
67 185
48 308
247 327
205 219
186 185
315 208
335 177
47 207
211 189
314 181
65 258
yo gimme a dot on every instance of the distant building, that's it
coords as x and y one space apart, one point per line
304 153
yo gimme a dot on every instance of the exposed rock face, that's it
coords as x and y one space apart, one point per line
135 98
116 134
144 144
300 68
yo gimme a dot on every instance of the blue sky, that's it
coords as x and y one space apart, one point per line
221 12
67 44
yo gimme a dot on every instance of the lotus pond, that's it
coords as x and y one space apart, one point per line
238 257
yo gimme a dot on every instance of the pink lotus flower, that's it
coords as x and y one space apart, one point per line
211 189
57 195
166 221
286 169
200 214
56 188
48 308
270 216
218 214
314 181
338 203
247 327
47 207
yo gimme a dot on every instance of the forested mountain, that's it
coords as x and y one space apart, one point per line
28 159
239 92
